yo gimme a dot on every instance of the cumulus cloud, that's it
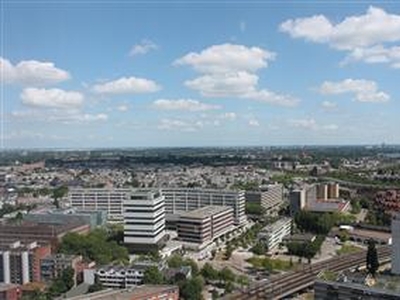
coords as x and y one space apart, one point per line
179 125
123 107
143 47
51 98
229 70
231 116
55 115
127 85
362 36
183 104
227 58
31 72
363 90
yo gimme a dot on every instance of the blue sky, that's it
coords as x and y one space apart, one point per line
199 74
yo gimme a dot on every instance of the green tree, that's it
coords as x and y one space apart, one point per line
226 274
153 275
209 273
259 248
372 258
192 289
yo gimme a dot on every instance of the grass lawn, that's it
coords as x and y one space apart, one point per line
266 263
347 249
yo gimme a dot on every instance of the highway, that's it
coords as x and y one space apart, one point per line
290 283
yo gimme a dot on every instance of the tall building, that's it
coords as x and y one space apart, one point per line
270 197
20 263
333 190
109 200
297 201
322 192
204 224
186 199
396 244
144 217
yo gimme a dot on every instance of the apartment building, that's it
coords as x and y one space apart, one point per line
109 200
396 244
272 235
144 217
204 224
20 263
52 266
187 199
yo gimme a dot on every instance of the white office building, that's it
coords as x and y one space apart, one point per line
144 217
187 199
396 244
273 234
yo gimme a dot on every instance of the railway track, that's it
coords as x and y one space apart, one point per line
289 283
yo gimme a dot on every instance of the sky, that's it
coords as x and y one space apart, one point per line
106 74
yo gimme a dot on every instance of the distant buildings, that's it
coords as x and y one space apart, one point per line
317 198
144 218
273 234
396 244
204 224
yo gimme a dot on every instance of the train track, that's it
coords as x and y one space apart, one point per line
284 285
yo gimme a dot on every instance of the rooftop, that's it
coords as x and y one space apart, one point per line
204 212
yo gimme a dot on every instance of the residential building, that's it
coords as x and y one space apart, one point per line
297 201
20 263
204 224
270 197
322 192
186 199
52 266
9 291
396 244
120 277
109 200
273 234
148 292
144 218
333 190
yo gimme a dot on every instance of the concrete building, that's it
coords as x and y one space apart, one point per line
148 292
322 192
52 266
333 190
20 263
119 277
396 244
270 197
272 235
204 224
186 199
297 201
109 200
144 218
9 291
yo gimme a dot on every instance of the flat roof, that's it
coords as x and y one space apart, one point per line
205 211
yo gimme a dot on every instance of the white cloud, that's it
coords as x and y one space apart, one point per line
123 107
254 123
143 47
55 115
224 85
363 90
179 125
363 36
227 58
31 72
127 85
183 104
311 124
51 98
231 116
328 105
229 71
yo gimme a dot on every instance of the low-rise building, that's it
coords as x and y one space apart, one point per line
52 266
9 291
273 234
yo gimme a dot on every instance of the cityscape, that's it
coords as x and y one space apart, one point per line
199 150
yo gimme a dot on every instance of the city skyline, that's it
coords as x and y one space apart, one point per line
134 74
